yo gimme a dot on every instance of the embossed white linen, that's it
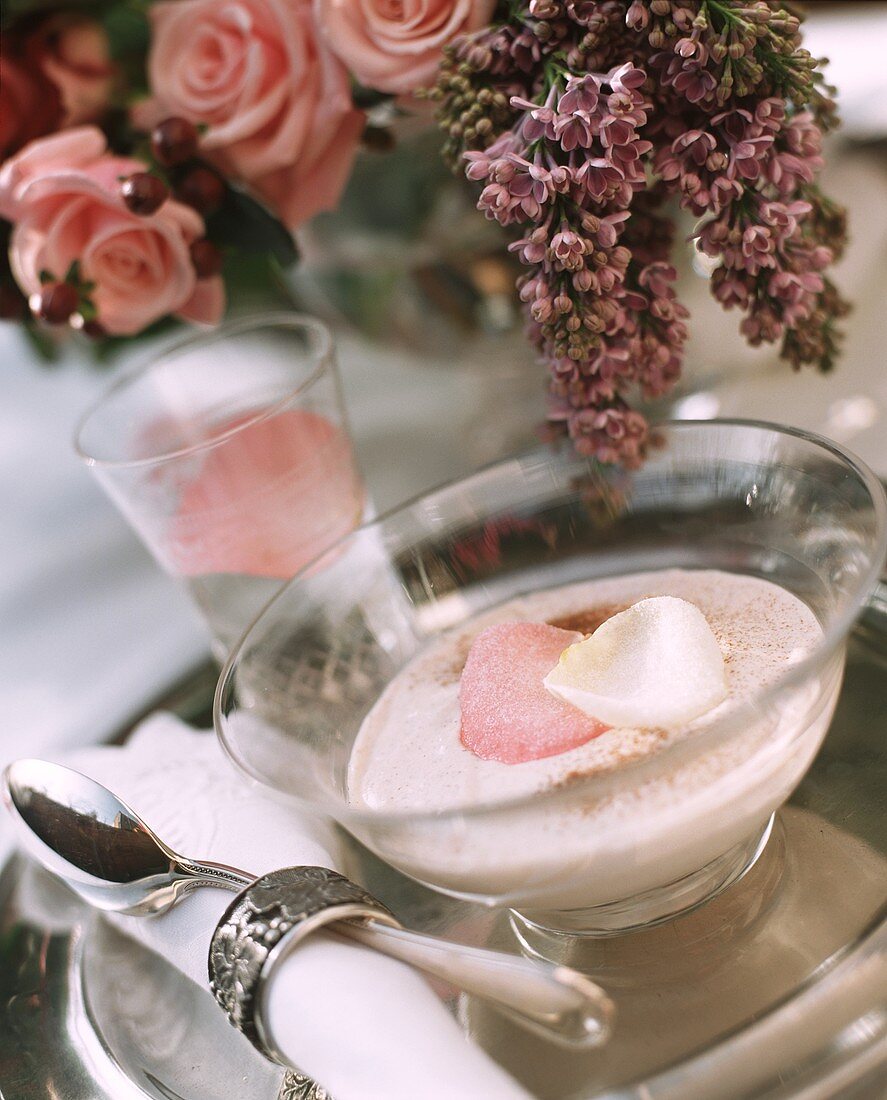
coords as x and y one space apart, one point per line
364 1026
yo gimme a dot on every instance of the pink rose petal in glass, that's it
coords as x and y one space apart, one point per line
267 499
507 714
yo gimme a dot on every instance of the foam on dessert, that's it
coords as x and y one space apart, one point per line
408 755
585 847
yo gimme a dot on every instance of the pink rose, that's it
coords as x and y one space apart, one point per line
396 45
276 102
63 195
58 74
73 54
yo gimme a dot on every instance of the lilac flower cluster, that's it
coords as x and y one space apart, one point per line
579 118
601 322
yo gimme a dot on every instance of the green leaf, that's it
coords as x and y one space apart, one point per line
46 277
243 224
72 275
44 346
128 30
129 38
253 281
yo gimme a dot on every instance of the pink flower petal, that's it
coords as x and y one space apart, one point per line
299 192
507 714
267 500
206 306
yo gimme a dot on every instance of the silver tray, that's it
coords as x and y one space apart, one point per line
778 988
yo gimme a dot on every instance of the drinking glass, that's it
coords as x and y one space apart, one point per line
655 834
229 453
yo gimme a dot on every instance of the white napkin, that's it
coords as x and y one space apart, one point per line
364 1026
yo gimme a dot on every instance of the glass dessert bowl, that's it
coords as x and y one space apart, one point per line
345 693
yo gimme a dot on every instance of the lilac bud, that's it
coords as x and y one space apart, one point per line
637 18
583 280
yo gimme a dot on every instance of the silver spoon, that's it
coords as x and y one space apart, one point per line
84 834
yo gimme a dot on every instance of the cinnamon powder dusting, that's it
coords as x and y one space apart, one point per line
583 622
587 621
651 741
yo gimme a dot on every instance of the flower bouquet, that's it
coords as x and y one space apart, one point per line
156 156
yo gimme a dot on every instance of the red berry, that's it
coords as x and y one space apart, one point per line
202 189
144 193
206 258
57 301
174 141
12 302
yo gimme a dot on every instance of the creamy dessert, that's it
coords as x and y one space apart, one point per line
571 695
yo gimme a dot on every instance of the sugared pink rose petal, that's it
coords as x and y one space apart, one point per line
267 500
507 714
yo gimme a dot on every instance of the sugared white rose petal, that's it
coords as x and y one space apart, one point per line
657 664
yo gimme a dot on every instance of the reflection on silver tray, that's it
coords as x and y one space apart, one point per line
774 988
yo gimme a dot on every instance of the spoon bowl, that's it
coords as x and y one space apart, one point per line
85 834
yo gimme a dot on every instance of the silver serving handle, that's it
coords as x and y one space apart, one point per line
85 835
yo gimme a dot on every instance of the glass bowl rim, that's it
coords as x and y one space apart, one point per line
322 350
832 637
